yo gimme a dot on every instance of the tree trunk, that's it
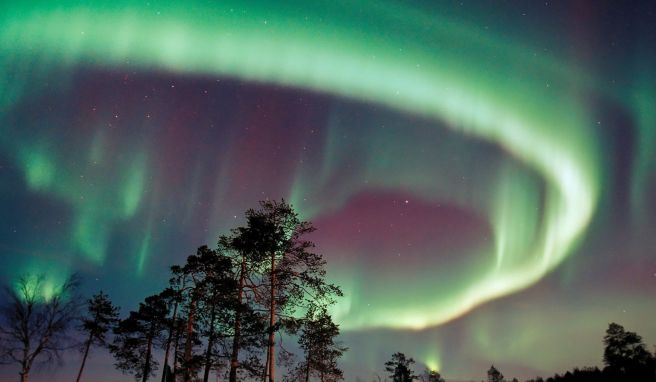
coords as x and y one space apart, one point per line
266 367
146 371
24 374
176 344
189 343
234 357
272 320
307 368
84 358
25 363
210 344
168 341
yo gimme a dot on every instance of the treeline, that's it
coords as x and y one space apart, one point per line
625 357
222 312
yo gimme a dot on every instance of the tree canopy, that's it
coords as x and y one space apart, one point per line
399 368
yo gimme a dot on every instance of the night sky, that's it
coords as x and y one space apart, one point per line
482 175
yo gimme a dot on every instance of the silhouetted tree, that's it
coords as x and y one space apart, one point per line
193 273
178 327
625 355
584 375
204 291
217 288
400 368
294 277
101 318
494 375
137 335
431 376
317 340
172 296
244 247
35 321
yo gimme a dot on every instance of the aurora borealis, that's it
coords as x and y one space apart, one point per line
477 172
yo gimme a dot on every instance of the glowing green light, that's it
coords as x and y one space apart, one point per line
433 364
144 250
543 129
39 169
40 286
133 188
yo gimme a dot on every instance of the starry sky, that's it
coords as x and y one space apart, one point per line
482 176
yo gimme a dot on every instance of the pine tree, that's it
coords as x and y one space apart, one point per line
625 354
172 296
293 277
193 274
400 368
317 340
244 247
431 376
101 318
216 304
137 335
494 375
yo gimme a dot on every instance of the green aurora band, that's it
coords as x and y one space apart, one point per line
490 89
